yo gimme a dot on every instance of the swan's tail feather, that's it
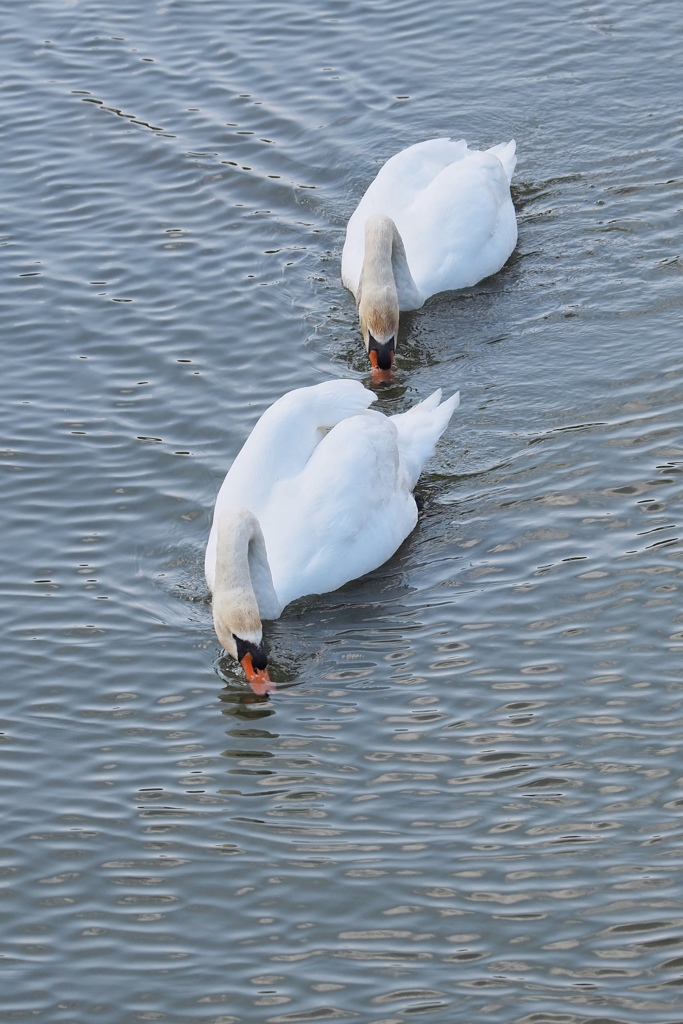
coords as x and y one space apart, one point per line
419 429
506 153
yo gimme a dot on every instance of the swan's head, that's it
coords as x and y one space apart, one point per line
240 561
238 627
254 660
378 315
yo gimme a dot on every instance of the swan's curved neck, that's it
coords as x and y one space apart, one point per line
243 591
385 277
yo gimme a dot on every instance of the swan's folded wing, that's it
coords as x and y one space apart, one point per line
344 515
414 168
392 192
281 444
286 436
467 216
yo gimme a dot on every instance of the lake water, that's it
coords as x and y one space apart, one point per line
464 802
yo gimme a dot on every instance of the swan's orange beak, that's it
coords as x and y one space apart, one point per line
258 678
380 376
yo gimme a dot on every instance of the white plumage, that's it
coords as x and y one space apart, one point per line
452 208
320 493
438 216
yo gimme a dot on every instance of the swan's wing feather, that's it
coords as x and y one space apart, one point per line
452 208
408 172
344 515
283 441
468 217
286 436
394 188
419 429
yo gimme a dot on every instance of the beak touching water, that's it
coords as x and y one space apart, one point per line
382 358
258 678
253 659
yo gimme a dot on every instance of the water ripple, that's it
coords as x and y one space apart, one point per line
464 800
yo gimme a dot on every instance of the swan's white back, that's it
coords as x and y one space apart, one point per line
332 503
452 208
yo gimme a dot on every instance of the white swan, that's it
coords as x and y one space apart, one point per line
438 216
320 494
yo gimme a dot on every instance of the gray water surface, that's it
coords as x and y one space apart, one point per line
464 802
